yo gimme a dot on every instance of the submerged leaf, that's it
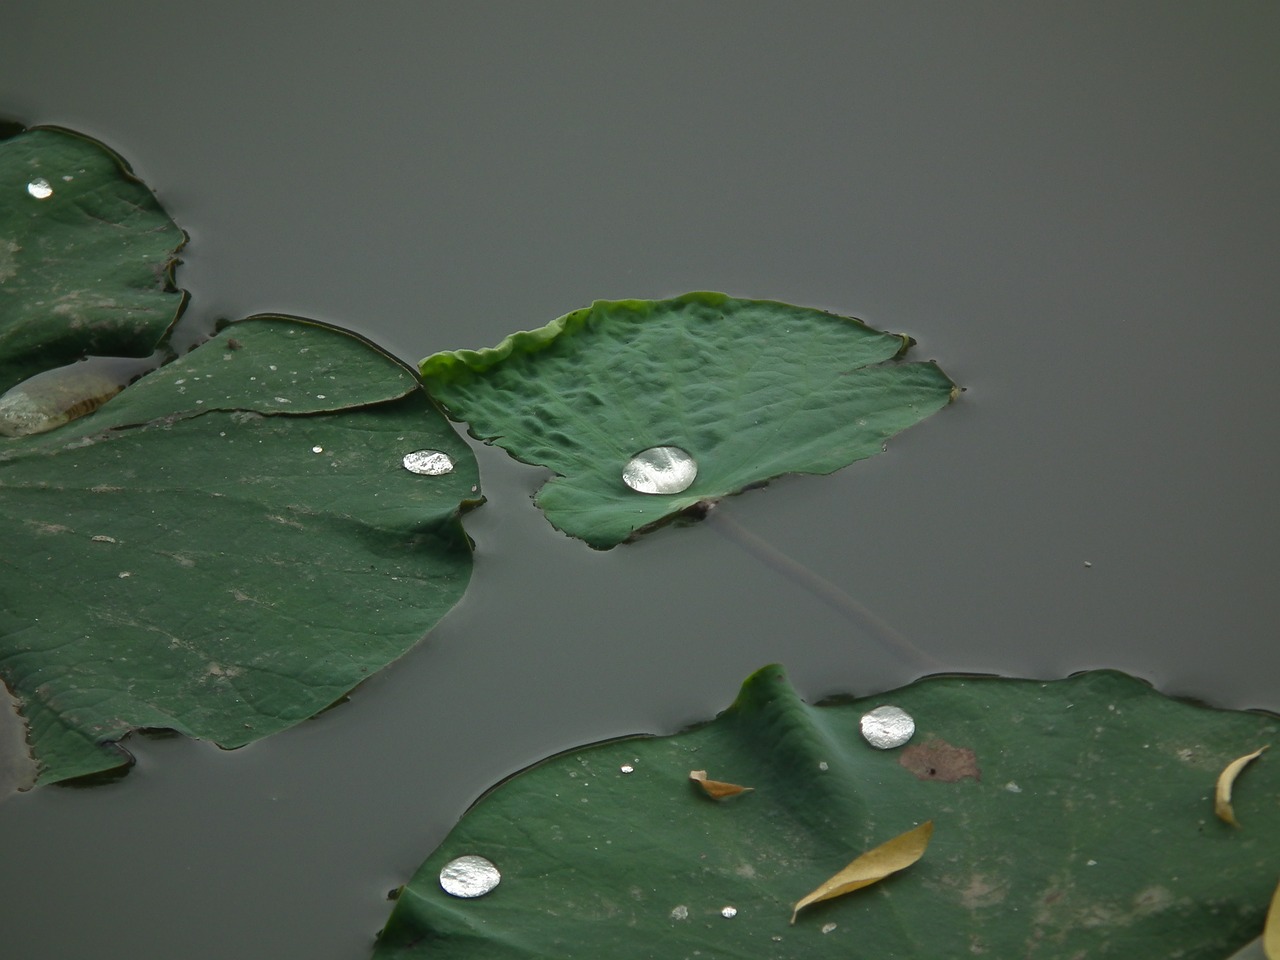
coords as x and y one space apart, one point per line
716 789
1226 779
873 866
17 767
1057 845
54 397
647 409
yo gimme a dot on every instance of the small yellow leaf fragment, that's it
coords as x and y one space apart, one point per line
716 789
874 865
1271 933
1222 796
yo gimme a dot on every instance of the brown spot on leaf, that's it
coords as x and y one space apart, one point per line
938 760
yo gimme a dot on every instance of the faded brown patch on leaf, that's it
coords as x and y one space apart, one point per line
938 760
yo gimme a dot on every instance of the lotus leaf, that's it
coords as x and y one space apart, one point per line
1070 818
86 255
750 389
228 546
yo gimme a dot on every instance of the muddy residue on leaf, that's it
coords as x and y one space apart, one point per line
938 760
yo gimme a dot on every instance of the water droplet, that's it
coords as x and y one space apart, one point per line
680 912
627 768
469 877
823 766
40 189
317 449
429 463
729 912
828 927
660 470
887 727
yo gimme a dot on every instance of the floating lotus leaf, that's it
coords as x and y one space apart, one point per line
228 546
86 256
749 389
1070 819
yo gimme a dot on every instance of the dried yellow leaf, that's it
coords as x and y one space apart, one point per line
1222 796
716 789
1271 933
874 865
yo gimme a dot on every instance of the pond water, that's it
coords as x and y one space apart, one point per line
1074 211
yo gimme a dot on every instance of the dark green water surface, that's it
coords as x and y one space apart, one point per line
1073 208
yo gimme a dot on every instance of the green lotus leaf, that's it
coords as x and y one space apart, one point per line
750 389
1072 818
226 547
86 255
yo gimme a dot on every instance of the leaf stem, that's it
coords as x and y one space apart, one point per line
866 622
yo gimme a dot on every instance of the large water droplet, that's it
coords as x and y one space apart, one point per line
40 189
429 463
660 470
887 727
469 877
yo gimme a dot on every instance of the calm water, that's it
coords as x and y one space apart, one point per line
1074 211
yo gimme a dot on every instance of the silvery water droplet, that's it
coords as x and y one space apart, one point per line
469 877
828 927
317 449
40 189
680 912
627 768
660 470
729 912
887 727
429 463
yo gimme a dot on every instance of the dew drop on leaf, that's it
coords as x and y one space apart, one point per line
887 727
660 470
40 189
469 877
428 463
